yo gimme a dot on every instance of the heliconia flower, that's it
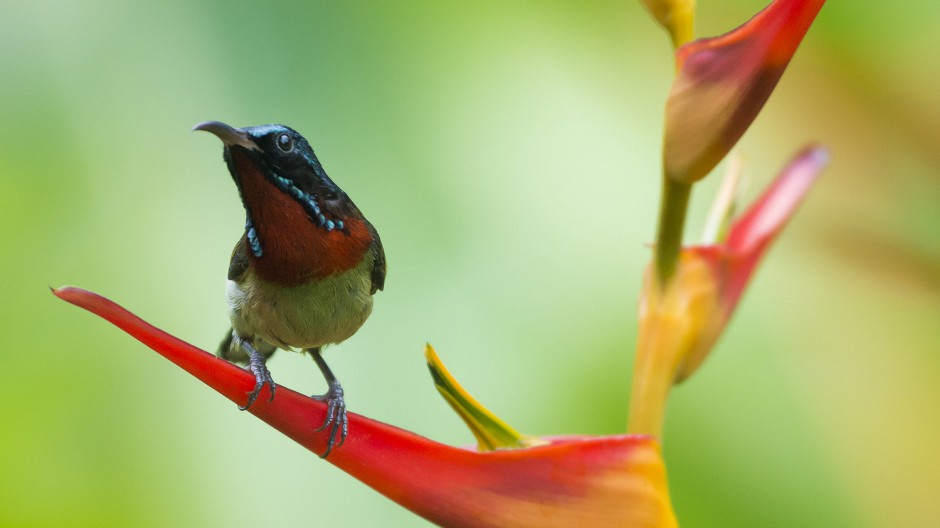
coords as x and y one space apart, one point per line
722 84
681 321
677 16
577 480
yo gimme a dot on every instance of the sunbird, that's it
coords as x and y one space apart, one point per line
303 274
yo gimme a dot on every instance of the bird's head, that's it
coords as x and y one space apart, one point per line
300 223
286 160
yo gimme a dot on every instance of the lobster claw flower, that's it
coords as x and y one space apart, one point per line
563 481
681 320
722 84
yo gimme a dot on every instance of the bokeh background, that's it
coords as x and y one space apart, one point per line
508 152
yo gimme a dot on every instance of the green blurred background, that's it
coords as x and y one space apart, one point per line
508 152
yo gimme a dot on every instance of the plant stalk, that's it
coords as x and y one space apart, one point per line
672 209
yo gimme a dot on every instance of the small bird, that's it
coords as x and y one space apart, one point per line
303 274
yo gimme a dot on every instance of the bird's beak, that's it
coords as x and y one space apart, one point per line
230 136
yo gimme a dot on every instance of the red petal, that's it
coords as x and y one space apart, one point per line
723 83
608 481
751 234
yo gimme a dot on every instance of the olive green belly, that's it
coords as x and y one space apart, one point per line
306 316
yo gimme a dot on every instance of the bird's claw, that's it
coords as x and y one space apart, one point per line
262 378
336 419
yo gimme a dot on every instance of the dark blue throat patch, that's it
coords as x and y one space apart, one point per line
253 240
308 202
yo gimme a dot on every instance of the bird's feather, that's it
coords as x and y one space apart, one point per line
378 268
238 266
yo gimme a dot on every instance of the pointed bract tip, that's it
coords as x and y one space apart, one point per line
62 291
491 432
818 153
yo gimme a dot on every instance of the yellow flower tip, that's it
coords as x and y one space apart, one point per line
690 307
491 432
676 16
699 291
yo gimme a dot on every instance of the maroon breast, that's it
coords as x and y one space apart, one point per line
295 250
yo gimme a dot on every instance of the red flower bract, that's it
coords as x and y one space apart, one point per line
750 235
602 481
723 83
733 261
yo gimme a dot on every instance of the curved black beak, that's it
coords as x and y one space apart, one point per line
230 136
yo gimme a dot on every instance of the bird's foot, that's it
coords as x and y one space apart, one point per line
336 419
262 377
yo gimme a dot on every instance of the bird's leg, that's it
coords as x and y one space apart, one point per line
336 406
258 368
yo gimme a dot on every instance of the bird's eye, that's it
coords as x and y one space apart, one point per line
285 143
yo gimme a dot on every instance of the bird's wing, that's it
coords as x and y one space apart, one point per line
378 268
239 263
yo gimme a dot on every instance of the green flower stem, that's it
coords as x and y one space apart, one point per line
672 208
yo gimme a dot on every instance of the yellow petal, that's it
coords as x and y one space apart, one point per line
490 431
677 16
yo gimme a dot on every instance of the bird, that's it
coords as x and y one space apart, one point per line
304 271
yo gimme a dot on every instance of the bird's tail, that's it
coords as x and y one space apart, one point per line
237 355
